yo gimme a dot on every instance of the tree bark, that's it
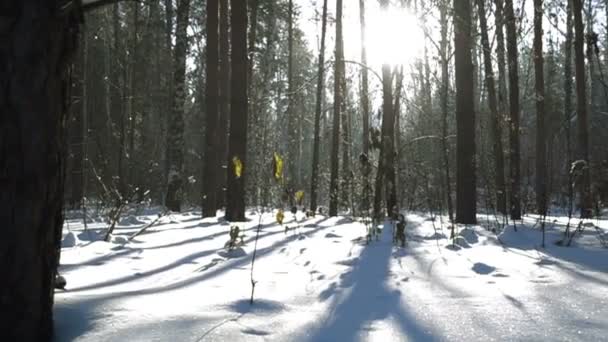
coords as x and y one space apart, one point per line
568 101
364 80
319 104
210 168
541 157
335 149
582 124
502 95
514 169
499 177
39 39
224 106
445 84
466 195
235 210
175 134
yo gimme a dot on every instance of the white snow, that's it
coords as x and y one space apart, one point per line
321 282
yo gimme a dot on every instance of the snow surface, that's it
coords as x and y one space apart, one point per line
321 282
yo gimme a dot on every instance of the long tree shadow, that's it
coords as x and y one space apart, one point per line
190 258
369 300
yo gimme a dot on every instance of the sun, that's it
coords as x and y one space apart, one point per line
393 36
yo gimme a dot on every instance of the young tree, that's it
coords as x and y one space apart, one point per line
514 170
210 169
466 195
39 40
541 162
175 136
335 149
495 117
319 104
582 124
237 145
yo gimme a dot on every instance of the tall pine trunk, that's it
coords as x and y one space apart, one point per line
224 105
210 169
582 124
39 39
466 195
445 85
335 148
318 106
364 81
502 95
495 124
175 134
514 169
541 157
237 150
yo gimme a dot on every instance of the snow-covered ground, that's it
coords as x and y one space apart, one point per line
321 282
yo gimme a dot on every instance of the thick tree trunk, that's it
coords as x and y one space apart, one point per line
582 124
514 168
224 106
319 104
388 140
175 134
541 158
290 113
335 148
466 195
39 40
235 210
495 123
210 168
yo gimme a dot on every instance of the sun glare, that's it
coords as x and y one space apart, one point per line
394 37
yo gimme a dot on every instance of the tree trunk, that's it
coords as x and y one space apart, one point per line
319 104
582 124
235 210
514 169
501 202
466 195
364 81
39 40
290 114
541 162
568 101
210 168
445 84
224 106
175 134
335 149
495 117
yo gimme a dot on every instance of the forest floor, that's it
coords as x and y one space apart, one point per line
322 282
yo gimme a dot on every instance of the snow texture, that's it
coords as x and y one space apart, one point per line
177 282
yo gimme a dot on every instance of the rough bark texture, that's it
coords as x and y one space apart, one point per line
582 124
388 140
541 161
210 169
38 40
235 210
175 135
568 100
466 195
319 104
514 168
335 148
495 124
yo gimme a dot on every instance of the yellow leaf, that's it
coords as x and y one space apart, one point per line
299 196
280 216
238 166
278 167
